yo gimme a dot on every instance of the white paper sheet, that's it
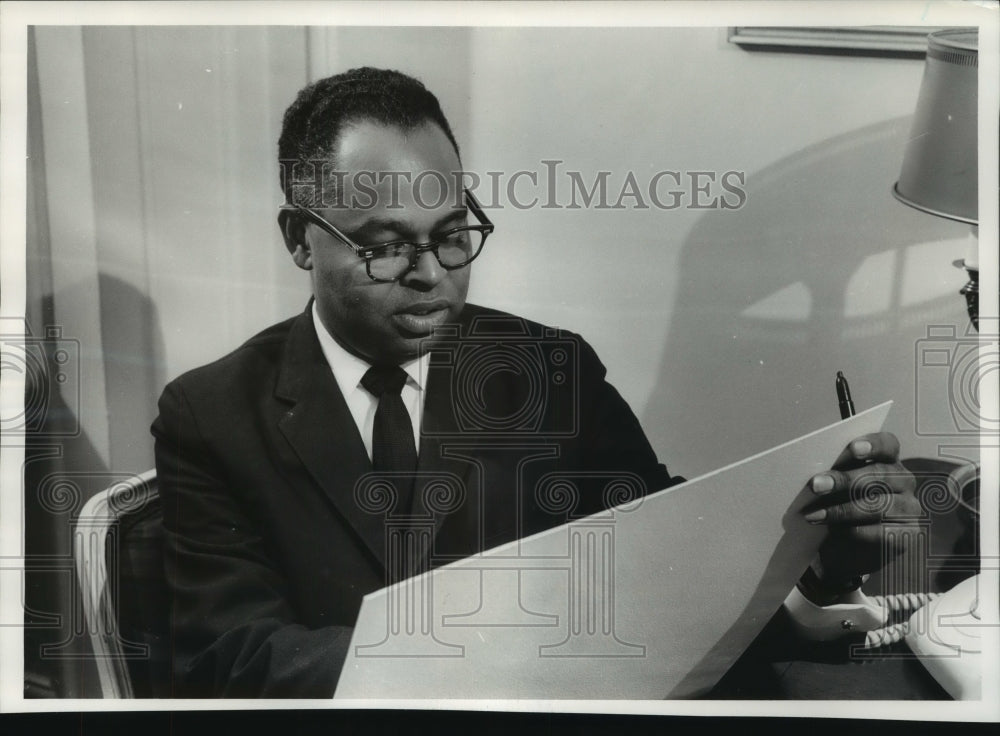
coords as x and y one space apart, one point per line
649 602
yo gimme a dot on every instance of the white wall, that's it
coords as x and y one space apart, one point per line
667 297
723 329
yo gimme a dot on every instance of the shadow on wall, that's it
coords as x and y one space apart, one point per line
821 270
134 371
64 467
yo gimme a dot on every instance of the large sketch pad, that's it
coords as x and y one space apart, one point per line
648 601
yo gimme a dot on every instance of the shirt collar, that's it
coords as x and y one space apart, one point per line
349 369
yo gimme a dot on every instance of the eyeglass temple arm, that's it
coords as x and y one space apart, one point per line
476 207
324 225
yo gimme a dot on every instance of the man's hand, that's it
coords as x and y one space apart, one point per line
866 486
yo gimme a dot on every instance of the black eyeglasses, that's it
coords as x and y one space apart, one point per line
386 262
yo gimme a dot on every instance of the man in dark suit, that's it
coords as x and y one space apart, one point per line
285 466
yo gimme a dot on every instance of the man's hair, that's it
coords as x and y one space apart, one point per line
313 123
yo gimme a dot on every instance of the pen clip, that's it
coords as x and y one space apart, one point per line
844 397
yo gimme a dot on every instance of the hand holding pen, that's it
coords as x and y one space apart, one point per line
866 486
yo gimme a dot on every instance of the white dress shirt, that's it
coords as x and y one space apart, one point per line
348 369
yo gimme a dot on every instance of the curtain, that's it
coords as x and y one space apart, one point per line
152 248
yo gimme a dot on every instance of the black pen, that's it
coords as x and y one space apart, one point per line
844 396
814 586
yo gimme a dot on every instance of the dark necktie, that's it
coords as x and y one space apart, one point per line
393 448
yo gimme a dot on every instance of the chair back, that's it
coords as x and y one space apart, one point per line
118 547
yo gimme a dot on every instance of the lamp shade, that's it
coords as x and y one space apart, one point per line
939 173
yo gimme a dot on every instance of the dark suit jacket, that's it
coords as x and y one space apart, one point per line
270 540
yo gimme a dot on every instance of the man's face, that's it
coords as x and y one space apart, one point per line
388 322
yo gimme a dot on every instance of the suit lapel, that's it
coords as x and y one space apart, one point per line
438 429
319 427
322 432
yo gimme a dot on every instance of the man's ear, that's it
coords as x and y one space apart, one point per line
293 230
